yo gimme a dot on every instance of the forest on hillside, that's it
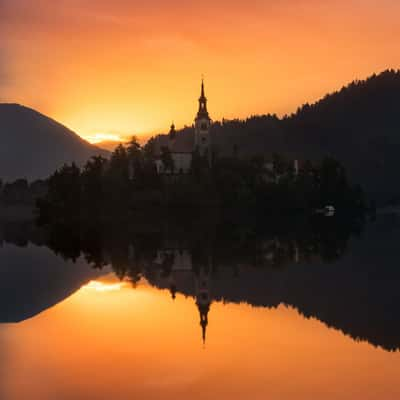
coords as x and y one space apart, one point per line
359 125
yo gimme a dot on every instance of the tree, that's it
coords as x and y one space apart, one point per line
333 183
16 192
167 160
149 150
281 166
63 199
93 186
199 167
151 178
136 159
117 181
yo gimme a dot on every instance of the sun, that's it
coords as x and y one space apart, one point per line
103 137
104 287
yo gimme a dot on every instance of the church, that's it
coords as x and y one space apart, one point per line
182 146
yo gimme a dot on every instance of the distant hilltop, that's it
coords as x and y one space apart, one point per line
33 146
359 125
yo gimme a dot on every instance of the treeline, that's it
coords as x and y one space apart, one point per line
103 187
129 181
123 245
21 192
241 258
358 125
276 186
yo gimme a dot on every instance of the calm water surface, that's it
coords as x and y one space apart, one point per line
308 329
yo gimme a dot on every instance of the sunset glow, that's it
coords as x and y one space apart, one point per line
103 287
130 67
101 137
130 348
198 199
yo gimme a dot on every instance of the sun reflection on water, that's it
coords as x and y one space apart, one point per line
104 287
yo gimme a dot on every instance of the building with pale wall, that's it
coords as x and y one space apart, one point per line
182 147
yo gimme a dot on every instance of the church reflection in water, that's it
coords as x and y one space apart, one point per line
176 268
174 264
325 270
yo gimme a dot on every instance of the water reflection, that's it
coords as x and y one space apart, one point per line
200 309
124 344
325 268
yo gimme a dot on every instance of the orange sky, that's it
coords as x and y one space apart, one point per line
123 67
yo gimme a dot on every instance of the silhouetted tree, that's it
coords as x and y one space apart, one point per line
93 184
167 160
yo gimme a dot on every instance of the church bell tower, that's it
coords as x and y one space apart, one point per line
202 124
203 298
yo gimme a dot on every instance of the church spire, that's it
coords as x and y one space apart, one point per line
202 125
202 89
203 310
202 103
203 298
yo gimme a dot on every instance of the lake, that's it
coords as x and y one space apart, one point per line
180 312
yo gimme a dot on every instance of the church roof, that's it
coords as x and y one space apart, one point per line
183 142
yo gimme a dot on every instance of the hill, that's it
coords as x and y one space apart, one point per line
32 145
55 280
359 125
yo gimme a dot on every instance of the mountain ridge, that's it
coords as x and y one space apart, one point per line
358 124
41 136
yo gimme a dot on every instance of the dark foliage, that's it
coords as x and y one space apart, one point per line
358 125
117 187
20 192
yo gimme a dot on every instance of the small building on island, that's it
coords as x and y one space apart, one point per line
180 148
174 151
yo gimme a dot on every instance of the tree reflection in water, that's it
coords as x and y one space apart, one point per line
327 268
